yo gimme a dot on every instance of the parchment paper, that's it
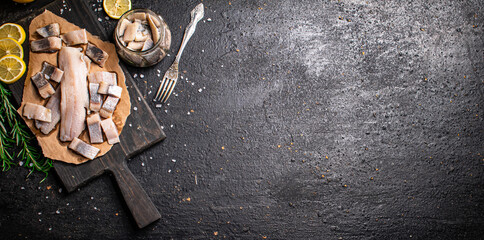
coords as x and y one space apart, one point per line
52 147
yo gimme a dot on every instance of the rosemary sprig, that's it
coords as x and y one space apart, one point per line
29 154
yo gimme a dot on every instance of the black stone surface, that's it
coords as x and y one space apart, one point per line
294 120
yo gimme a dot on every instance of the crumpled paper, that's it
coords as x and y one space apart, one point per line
51 146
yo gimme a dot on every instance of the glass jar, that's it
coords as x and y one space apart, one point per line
128 51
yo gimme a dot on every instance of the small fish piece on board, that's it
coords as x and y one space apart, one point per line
45 88
96 54
54 105
49 30
115 91
75 37
95 100
51 72
83 148
154 29
108 106
94 127
37 112
104 79
110 130
74 93
47 45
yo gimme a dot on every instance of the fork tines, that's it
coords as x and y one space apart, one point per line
165 90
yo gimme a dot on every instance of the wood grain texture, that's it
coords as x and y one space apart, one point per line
141 131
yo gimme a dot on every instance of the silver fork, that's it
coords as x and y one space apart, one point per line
171 76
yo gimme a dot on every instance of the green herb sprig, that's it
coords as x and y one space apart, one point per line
29 154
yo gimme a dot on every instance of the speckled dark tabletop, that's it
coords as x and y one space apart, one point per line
294 120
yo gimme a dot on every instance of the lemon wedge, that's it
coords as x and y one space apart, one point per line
8 46
12 68
14 31
116 8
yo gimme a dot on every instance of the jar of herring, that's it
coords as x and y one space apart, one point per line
142 38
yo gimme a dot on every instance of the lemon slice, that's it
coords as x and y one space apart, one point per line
9 46
116 8
11 68
12 30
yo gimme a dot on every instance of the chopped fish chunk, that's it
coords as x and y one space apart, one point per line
37 112
95 100
130 32
45 88
123 26
51 72
96 54
83 148
94 127
110 130
75 37
154 30
48 45
115 91
135 45
74 93
49 30
108 106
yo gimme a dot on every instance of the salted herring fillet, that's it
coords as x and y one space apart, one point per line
74 93
54 105
123 26
94 127
49 30
130 32
154 30
38 112
51 72
108 106
110 130
45 88
95 99
83 148
75 37
135 46
96 54
48 45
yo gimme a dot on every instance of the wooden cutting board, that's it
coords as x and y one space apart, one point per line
141 131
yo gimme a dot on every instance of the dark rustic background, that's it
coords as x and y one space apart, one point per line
294 120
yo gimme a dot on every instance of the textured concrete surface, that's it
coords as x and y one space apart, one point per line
296 120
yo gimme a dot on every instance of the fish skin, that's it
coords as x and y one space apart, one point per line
74 93
83 148
110 130
75 37
54 105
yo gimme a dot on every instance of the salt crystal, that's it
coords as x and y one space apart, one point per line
70 9
149 92
151 157
40 220
203 87
159 75
158 70
158 105
99 19
221 65
168 55
141 75
143 164
92 198
135 75
169 170
95 208
199 90
60 190
67 204
135 108
50 229
171 126
21 163
209 19
58 212
193 83
181 77
40 213
166 110
107 18
203 50
188 113
173 160
46 197
162 127
130 125
139 99
22 188
99 9
31 164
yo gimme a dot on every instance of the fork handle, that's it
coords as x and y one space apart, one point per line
197 15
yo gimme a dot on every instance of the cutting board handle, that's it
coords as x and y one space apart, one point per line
143 210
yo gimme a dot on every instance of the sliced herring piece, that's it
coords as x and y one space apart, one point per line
45 88
75 37
95 100
141 36
148 44
108 106
103 76
83 148
115 91
54 105
37 112
155 34
123 26
140 16
110 130
94 127
48 45
49 30
96 54
135 46
51 72
130 32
